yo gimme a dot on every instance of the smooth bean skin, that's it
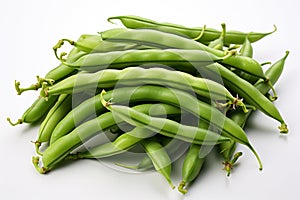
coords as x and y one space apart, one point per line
228 148
247 50
232 37
166 41
36 111
193 161
191 166
219 42
58 150
62 71
121 144
247 91
160 158
55 114
135 76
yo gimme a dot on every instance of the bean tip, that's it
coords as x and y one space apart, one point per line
181 187
283 128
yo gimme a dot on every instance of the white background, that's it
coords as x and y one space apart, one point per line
30 28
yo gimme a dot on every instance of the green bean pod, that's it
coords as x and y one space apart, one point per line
219 42
61 148
95 44
228 148
228 127
160 94
131 76
247 91
122 143
160 158
232 37
36 111
166 41
41 106
172 146
54 75
55 114
190 59
191 166
247 50
142 93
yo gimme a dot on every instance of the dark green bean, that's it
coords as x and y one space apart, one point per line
232 37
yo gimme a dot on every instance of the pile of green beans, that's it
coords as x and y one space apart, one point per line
159 89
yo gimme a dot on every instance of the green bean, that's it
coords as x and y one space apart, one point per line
219 42
227 148
228 127
232 37
56 113
160 158
137 94
122 143
190 59
248 92
95 44
154 93
165 127
139 76
247 49
55 75
36 111
61 148
172 146
166 41
193 161
191 166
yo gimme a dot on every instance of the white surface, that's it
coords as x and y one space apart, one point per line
30 28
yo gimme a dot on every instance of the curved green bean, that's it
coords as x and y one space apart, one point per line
247 91
160 158
228 127
228 148
55 114
63 146
36 111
